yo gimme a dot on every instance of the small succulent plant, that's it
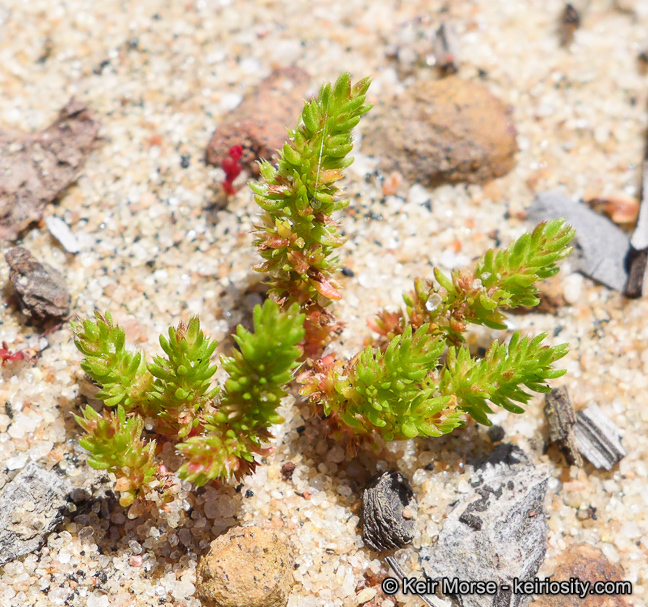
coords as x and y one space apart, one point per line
417 379
402 388
297 233
218 431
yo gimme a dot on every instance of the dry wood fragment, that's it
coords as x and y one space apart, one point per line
637 258
31 506
36 168
388 512
444 49
598 439
561 419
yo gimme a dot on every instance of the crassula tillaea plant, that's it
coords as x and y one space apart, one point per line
400 387
417 379
218 431
297 234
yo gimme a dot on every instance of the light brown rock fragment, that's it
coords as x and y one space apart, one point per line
246 567
35 168
588 564
444 131
259 124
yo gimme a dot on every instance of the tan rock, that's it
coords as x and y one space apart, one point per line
444 131
259 123
588 564
246 567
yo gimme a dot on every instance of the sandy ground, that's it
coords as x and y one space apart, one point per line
160 76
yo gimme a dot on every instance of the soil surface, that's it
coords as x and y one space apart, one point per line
156 247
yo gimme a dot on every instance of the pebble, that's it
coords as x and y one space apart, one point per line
366 594
572 288
246 567
260 119
446 131
588 564
98 600
61 231
17 462
42 290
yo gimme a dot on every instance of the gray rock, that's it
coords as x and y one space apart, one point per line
600 247
497 533
31 506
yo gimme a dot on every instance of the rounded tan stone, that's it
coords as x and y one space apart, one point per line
246 567
443 131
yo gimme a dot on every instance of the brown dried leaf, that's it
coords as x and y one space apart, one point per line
35 168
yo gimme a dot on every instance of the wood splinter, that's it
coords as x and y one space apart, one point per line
561 419
598 439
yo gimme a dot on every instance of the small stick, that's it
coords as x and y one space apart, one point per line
444 49
637 257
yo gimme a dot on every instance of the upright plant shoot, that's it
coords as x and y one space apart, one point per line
297 233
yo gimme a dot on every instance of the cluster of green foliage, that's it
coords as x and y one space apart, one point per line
418 378
297 234
402 387
217 433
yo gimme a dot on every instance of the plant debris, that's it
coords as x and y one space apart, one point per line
41 289
31 506
561 419
287 470
598 439
444 131
603 264
36 168
622 210
444 49
259 123
7 356
497 533
570 21
388 512
232 168
638 256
